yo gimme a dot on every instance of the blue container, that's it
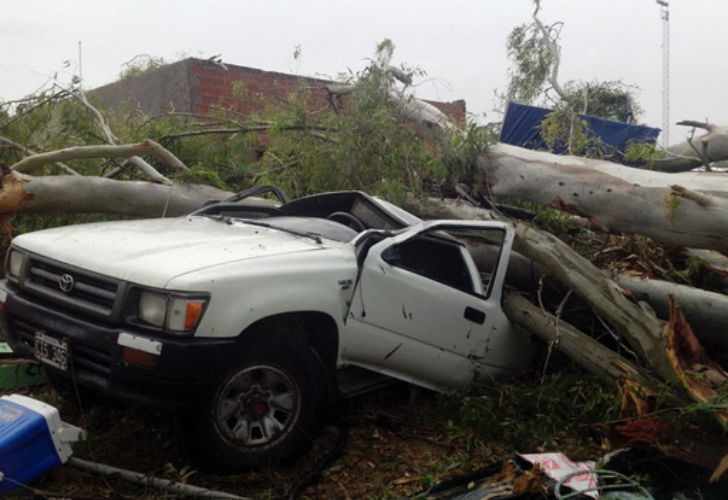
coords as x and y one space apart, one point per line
31 440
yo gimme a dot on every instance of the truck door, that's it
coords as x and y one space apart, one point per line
425 311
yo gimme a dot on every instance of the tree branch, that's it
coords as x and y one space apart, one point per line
554 50
699 198
693 123
58 95
100 120
163 154
30 152
29 163
588 353
243 130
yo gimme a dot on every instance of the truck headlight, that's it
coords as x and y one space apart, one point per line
153 308
14 263
176 313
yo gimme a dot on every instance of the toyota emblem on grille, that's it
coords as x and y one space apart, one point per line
66 282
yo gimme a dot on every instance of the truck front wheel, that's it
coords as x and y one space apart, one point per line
266 410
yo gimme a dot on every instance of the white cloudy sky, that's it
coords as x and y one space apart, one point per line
460 43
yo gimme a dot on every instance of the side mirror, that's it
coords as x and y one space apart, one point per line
392 255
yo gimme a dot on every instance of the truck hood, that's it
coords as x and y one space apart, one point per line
153 251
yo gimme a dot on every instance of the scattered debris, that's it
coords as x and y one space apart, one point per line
541 475
577 476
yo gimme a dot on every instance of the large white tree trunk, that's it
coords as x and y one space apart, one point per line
687 209
707 312
82 194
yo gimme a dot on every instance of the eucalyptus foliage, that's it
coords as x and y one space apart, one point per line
530 64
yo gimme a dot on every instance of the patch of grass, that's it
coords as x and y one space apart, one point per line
558 414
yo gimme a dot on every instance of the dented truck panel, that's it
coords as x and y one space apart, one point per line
425 311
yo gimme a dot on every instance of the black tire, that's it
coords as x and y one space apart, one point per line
267 410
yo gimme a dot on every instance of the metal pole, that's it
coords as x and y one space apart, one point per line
665 15
145 480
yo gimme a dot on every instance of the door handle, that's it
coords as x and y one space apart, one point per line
474 315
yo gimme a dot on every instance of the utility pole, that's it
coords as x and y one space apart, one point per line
665 14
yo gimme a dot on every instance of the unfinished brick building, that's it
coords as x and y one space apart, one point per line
199 86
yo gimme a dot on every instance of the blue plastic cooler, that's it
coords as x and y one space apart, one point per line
32 440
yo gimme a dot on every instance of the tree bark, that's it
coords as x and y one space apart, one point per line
714 262
30 163
83 194
707 312
694 152
680 209
637 324
588 353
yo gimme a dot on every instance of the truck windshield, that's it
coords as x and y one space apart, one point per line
308 227
311 227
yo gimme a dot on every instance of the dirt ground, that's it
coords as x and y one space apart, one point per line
392 443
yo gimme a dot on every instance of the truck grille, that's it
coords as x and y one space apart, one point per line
88 293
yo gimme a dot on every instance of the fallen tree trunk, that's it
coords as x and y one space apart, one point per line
680 209
591 355
714 262
87 194
707 312
698 151
637 324
82 194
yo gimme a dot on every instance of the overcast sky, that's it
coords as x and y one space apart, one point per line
459 43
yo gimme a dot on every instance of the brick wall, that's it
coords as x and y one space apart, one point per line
198 85
247 90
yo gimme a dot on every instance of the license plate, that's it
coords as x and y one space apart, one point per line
51 351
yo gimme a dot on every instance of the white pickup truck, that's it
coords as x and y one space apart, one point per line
248 313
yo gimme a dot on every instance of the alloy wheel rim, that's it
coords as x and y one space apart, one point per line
257 406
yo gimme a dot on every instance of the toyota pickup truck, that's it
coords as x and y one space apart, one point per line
249 313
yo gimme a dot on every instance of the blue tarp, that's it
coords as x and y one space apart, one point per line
521 127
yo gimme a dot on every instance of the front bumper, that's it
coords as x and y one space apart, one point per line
184 368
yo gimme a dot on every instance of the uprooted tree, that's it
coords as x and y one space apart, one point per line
64 156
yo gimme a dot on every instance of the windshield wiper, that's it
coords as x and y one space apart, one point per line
315 237
222 218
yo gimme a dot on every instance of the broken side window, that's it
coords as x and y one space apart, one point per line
449 256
